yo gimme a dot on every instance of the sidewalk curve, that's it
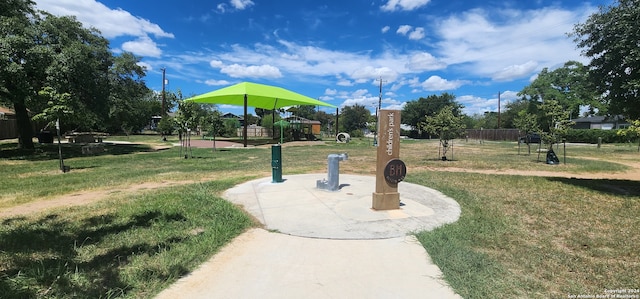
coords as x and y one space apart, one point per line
322 244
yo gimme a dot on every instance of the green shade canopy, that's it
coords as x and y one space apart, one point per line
257 95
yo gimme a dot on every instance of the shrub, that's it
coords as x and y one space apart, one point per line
592 135
356 134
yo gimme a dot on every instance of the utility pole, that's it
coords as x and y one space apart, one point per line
375 134
498 109
164 103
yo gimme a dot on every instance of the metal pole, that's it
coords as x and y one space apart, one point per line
337 119
498 109
62 168
244 130
375 135
164 104
564 150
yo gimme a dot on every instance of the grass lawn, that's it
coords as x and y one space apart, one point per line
519 235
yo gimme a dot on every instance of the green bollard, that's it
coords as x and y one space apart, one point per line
276 163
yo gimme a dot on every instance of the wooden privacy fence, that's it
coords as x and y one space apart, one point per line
494 134
254 131
8 128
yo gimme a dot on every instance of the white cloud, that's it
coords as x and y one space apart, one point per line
241 4
474 105
344 82
417 34
423 61
251 71
330 92
216 64
369 101
404 29
111 23
515 71
370 73
505 44
235 4
212 82
435 83
385 29
143 46
393 5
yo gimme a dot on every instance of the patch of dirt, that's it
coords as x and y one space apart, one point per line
632 175
92 196
295 143
81 198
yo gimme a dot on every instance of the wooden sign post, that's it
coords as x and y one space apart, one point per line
390 170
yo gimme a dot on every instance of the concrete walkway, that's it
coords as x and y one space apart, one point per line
323 244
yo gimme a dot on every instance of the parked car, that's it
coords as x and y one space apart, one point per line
530 138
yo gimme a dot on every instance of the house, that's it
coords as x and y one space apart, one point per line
230 115
601 122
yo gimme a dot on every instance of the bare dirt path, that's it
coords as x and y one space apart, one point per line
631 175
82 198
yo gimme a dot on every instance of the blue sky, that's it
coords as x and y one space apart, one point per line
337 51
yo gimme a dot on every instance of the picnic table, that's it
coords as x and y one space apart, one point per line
85 137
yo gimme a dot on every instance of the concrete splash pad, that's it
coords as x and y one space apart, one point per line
296 207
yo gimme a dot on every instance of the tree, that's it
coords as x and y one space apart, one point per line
59 107
306 111
39 50
79 66
354 118
558 122
414 112
130 100
610 38
569 85
19 60
167 125
214 124
231 126
190 115
527 123
632 131
446 125
326 120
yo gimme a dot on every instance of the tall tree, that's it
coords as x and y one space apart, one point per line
414 112
354 118
130 102
306 111
79 66
569 85
610 38
38 50
20 58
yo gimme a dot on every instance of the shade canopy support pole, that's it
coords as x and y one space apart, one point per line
244 130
